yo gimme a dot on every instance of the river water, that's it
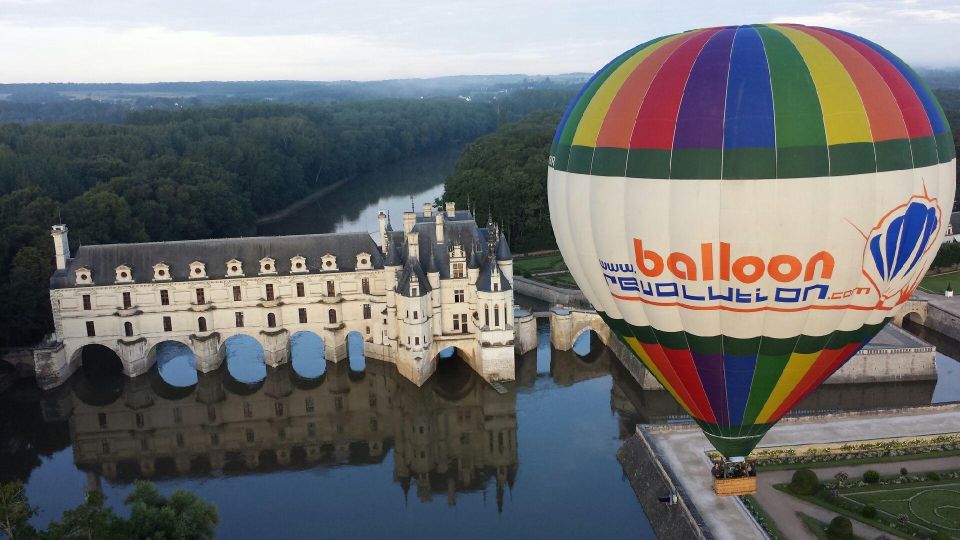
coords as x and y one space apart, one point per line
353 450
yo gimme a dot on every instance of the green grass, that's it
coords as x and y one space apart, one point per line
814 525
857 461
550 262
934 505
937 284
560 280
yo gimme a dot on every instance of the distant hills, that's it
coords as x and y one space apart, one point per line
109 102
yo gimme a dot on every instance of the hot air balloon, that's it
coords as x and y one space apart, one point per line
747 206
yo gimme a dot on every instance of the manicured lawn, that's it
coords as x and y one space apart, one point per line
934 506
560 280
937 284
541 263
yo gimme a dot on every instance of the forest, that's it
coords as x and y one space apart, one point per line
200 172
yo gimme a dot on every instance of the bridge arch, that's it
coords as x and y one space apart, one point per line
308 357
244 357
356 345
176 362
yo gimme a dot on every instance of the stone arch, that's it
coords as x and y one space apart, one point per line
98 356
308 357
356 351
245 362
174 366
100 379
566 325
913 310
455 378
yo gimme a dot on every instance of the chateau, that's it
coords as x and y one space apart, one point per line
440 282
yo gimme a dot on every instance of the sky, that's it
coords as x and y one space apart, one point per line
195 40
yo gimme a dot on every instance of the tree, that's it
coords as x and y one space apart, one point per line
804 482
871 476
181 516
91 520
840 528
15 511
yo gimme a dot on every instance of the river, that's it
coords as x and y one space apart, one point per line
353 450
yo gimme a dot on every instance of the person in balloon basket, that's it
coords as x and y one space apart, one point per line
732 470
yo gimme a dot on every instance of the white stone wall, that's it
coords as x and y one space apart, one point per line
389 336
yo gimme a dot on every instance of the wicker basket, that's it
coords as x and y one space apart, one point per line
746 485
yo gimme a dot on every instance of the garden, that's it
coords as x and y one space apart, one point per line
546 268
924 505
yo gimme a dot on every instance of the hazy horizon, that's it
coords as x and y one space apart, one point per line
368 40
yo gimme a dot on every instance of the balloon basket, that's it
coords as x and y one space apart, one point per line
733 477
726 487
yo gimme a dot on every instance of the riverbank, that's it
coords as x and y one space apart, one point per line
280 215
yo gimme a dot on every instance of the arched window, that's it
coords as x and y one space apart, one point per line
271 320
486 315
332 316
202 324
128 328
496 315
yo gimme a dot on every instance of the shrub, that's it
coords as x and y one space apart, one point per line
903 471
871 476
868 511
840 528
932 475
804 482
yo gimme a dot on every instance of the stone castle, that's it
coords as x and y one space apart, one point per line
438 283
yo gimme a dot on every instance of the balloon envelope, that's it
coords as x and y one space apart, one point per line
747 206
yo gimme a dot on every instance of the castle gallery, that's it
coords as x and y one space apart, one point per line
440 282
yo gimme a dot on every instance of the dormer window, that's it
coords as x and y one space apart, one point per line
268 266
364 261
198 270
84 276
328 263
161 272
124 274
298 264
414 286
457 270
234 268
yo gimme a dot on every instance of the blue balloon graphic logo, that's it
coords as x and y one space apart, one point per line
897 250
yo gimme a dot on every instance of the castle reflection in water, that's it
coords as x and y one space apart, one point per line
454 434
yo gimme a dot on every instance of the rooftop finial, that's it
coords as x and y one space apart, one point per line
413 207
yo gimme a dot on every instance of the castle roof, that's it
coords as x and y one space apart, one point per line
102 260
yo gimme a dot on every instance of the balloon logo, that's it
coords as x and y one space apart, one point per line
747 206
897 244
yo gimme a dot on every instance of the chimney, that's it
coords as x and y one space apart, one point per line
451 209
427 209
439 222
413 245
61 245
382 218
409 219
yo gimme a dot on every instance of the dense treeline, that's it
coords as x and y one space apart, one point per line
506 173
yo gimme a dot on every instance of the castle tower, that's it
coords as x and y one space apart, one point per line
61 245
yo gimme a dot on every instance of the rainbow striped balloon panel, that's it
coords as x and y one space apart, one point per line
736 389
752 102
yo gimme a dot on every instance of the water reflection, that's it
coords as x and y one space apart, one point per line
326 440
